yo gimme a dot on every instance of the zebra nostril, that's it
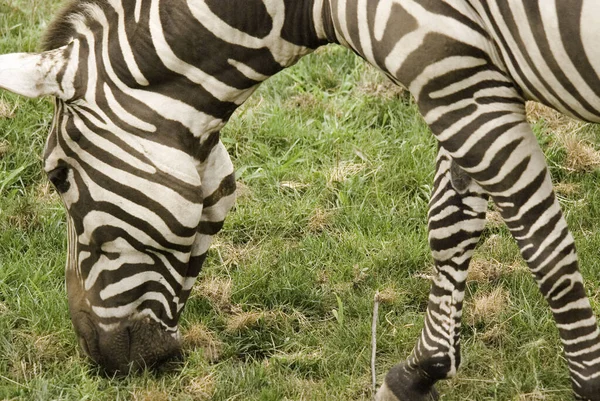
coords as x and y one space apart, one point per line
87 335
84 346
59 178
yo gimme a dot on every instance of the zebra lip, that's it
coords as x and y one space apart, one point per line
114 351
130 347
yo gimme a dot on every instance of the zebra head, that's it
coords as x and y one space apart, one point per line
138 212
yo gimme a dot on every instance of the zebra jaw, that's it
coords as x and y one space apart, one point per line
40 74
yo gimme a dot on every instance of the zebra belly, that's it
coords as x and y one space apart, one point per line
550 49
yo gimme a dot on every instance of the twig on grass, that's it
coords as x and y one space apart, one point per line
374 340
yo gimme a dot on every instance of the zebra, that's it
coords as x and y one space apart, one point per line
143 88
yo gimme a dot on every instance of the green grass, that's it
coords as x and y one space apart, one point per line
335 168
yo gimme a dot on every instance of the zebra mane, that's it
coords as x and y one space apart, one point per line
61 30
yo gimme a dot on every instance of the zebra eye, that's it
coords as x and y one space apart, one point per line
59 178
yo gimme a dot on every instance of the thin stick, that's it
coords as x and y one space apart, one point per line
374 340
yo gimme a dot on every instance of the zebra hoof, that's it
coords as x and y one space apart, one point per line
588 390
406 384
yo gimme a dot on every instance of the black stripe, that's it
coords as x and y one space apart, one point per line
226 188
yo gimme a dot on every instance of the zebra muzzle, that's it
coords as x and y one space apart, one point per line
130 347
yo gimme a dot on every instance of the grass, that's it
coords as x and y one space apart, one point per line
334 168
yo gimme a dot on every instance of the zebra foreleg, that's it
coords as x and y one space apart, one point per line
456 220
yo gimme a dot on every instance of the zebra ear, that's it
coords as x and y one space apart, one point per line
32 74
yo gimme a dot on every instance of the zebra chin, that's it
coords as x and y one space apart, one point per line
129 347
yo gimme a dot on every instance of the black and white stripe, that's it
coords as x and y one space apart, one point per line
144 86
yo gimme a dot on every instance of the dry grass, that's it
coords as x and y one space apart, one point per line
567 188
494 335
320 220
322 277
374 83
580 154
41 350
4 148
386 89
293 185
304 357
536 395
493 218
216 290
242 191
24 369
343 171
48 348
553 120
201 388
45 193
24 217
198 336
359 275
231 254
487 307
482 270
388 296
492 243
152 394
6 111
485 270
244 320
